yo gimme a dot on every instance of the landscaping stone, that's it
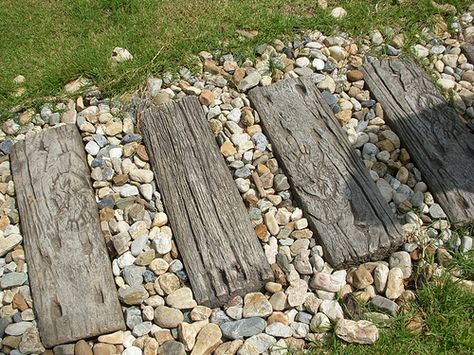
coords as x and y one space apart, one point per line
360 332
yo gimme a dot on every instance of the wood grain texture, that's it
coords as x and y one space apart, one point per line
468 50
69 269
437 139
220 250
343 206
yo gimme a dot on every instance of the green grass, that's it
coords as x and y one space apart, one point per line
446 312
52 42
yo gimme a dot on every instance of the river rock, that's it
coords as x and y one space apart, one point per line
208 339
167 317
243 328
256 305
181 299
360 332
395 285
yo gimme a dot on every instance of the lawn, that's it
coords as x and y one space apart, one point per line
52 42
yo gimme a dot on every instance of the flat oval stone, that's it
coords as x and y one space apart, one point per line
243 328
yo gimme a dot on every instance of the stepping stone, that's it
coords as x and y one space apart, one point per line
350 218
69 269
439 143
211 226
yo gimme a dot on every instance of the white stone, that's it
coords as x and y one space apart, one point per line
302 62
121 55
421 51
338 12
380 277
132 350
402 260
16 329
142 176
279 330
446 84
318 64
395 285
126 190
92 148
360 332
234 115
331 309
115 153
162 243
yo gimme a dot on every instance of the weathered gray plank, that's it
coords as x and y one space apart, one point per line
468 50
70 274
220 250
343 206
439 143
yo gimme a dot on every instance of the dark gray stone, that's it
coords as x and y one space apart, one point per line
385 305
171 347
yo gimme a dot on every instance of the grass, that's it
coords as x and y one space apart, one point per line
445 312
52 42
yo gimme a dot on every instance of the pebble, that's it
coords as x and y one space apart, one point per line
181 299
133 295
132 350
279 330
395 285
261 342
402 260
167 317
92 148
436 211
296 293
171 347
30 343
208 339
360 332
381 277
162 243
250 81
361 278
256 305
331 309
385 305
246 327
112 338
320 323
13 279
302 62
19 328
326 282
338 13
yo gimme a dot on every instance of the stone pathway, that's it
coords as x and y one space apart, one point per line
161 314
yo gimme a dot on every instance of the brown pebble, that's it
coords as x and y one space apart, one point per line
261 231
4 222
141 152
278 317
207 97
104 349
279 274
120 179
354 75
19 302
82 348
